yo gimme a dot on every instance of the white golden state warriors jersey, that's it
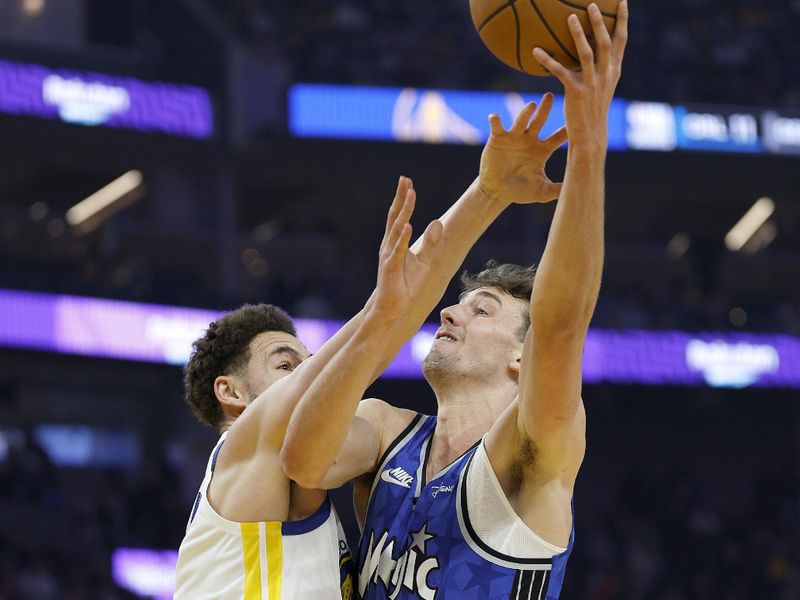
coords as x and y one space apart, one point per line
268 560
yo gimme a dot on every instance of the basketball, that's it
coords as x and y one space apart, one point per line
511 29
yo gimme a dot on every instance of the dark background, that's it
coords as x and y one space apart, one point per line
685 492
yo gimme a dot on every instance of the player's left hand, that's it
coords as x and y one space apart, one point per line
401 271
513 162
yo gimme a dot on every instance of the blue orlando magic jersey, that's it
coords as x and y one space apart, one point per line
426 541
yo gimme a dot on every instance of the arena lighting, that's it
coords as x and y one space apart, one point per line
762 238
146 572
90 213
749 224
679 245
33 8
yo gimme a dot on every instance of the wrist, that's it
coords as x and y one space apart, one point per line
589 148
491 196
380 317
592 140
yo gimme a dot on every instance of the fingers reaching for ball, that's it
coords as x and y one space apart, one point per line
541 115
496 125
589 91
585 53
530 120
606 56
602 40
523 118
620 34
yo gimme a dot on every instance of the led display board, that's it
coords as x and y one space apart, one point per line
96 99
164 334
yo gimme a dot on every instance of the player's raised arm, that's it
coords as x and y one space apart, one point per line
568 278
512 169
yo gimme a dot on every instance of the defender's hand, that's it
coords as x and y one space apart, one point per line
402 272
513 162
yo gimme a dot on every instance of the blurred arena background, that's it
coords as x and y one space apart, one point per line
254 147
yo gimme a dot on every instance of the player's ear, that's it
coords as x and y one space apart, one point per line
230 394
514 366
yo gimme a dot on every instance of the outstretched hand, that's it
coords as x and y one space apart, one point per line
401 271
513 162
588 92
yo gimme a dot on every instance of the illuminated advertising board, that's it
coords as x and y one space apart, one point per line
717 129
95 99
164 334
418 115
459 117
781 132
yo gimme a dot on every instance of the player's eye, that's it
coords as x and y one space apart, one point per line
480 311
285 366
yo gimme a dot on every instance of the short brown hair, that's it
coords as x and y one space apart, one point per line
514 280
224 350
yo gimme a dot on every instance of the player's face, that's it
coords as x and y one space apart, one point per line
479 335
273 356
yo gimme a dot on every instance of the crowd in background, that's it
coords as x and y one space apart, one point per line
721 51
665 296
663 540
60 525
734 51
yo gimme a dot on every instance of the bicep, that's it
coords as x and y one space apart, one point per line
550 407
360 451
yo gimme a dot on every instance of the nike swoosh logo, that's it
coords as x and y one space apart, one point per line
389 478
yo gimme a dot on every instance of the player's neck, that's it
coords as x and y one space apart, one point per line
462 420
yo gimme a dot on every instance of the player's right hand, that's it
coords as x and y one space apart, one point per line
588 92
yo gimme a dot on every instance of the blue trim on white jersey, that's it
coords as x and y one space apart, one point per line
311 522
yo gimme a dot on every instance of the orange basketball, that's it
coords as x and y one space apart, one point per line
511 29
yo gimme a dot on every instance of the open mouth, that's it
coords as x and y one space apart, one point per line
448 337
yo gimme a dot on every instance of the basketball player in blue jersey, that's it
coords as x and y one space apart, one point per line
476 503
252 532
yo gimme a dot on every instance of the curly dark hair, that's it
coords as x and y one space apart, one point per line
225 350
514 280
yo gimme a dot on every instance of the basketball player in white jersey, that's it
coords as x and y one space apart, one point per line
252 532
477 502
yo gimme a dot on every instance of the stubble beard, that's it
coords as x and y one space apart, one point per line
440 370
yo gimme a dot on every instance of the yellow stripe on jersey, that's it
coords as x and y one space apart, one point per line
274 560
252 561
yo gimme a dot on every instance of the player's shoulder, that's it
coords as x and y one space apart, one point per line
375 407
390 421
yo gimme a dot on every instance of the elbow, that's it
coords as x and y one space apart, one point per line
296 467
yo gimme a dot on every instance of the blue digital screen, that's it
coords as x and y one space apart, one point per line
460 117
717 129
418 115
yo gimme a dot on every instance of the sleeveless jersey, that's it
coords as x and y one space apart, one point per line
268 560
455 538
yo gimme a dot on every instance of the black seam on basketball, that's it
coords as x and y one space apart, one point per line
553 33
494 14
585 8
519 35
